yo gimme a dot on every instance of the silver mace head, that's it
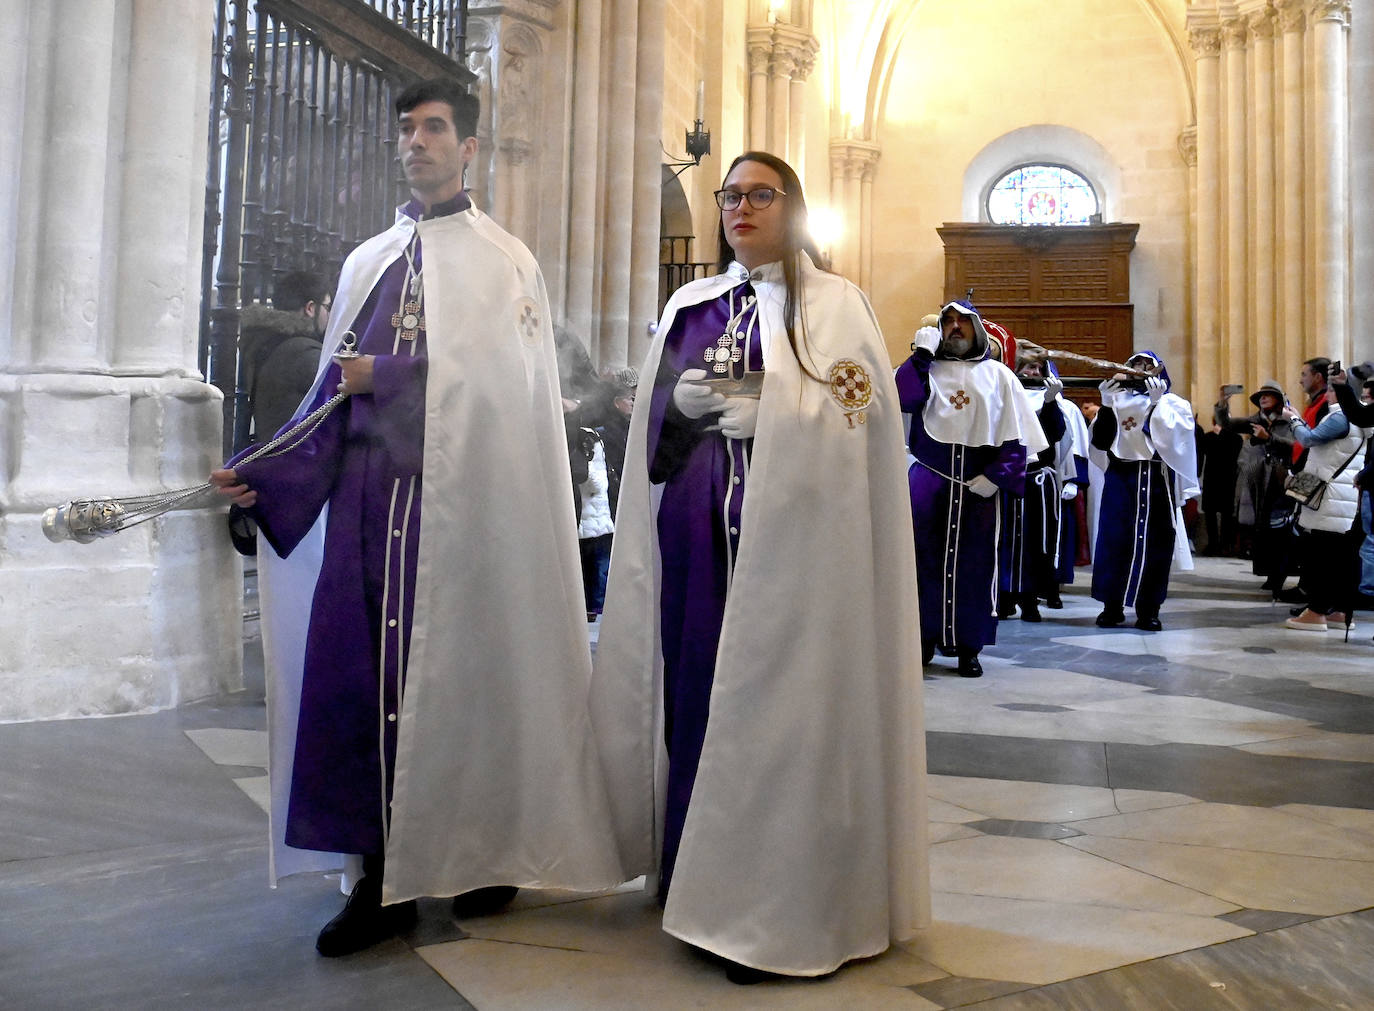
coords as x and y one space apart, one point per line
82 521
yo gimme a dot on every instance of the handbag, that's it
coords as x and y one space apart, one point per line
1309 489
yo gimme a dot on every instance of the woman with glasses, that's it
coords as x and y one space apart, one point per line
760 623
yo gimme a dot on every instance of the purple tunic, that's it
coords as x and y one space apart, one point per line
364 461
704 478
1030 522
956 530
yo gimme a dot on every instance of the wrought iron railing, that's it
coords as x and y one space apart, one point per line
302 160
676 266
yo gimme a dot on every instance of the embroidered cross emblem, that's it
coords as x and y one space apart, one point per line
960 400
1130 423
529 324
410 320
724 354
852 389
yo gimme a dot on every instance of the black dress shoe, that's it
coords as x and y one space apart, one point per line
1054 602
1030 612
927 654
747 975
1149 625
970 667
364 921
483 901
1293 596
1110 619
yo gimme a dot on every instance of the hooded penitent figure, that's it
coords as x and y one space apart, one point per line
757 687
1143 441
1029 541
972 429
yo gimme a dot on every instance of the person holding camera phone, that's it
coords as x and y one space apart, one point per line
1263 466
1360 410
1327 518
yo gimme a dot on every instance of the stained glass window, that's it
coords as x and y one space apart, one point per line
1042 195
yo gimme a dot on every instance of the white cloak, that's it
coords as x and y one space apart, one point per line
805 841
497 776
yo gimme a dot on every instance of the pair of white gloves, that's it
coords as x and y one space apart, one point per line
1154 388
739 416
928 337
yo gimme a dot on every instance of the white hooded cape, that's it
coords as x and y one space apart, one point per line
805 842
497 777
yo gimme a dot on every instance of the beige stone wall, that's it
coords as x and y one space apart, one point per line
968 74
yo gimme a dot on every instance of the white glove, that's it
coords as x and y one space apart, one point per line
740 418
1053 387
1069 492
693 399
1154 386
981 485
1109 387
927 337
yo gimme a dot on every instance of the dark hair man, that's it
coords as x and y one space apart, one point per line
442 733
279 346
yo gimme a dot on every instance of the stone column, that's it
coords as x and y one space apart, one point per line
1292 185
1330 151
1187 149
780 71
584 204
1235 327
1261 308
796 107
1362 181
1206 45
760 42
647 186
108 106
852 162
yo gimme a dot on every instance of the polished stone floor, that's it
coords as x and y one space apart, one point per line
1119 820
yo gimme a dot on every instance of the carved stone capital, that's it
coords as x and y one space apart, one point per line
1331 10
853 159
760 46
1292 14
1262 23
1187 146
1235 33
1205 42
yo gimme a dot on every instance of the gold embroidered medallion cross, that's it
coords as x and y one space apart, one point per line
1130 423
960 400
410 321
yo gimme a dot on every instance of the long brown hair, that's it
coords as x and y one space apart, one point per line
796 239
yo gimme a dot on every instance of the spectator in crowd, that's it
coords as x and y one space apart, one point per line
279 348
1268 461
1218 454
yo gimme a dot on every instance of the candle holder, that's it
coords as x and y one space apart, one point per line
698 141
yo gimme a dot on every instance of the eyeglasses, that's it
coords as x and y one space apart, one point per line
759 198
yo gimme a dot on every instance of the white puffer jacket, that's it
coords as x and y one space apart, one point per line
596 503
1341 503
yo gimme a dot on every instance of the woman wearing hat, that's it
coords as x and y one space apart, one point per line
1264 464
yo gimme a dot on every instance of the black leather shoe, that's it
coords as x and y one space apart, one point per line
1293 596
1110 619
970 667
1149 625
483 901
1054 602
364 921
1030 612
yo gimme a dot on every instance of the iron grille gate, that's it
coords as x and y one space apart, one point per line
302 162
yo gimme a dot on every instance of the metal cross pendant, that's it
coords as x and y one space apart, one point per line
410 320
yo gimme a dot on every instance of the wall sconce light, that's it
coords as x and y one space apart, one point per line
698 139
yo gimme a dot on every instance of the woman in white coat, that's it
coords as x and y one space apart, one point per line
758 678
1335 449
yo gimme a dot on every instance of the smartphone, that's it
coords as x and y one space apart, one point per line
1333 368
1231 389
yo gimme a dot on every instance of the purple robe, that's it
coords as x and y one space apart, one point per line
1030 522
1069 522
1135 528
956 530
364 462
704 478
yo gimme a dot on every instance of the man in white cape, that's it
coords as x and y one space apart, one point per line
803 843
428 712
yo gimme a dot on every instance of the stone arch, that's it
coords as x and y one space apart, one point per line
1048 143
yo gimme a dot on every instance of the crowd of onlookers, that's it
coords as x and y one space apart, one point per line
1288 487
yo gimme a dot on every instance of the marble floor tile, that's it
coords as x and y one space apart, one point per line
1233 826
1318 744
1042 942
944 832
1021 801
1355 819
1149 800
1049 872
232 747
1254 880
497 974
1082 763
259 791
942 810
